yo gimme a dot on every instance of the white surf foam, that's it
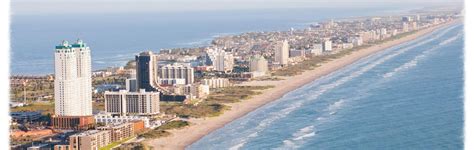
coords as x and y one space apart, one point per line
292 143
335 106
447 41
412 63
323 88
298 137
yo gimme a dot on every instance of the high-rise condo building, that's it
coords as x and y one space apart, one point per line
72 86
146 70
282 52
221 60
258 64
327 45
407 19
72 83
177 71
132 103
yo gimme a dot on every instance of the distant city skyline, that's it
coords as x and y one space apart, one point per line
32 7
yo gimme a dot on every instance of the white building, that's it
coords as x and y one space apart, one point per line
221 60
216 82
73 83
258 64
327 45
383 31
107 118
347 45
357 41
132 103
405 27
317 49
394 32
414 26
131 85
176 71
282 52
192 90
175 81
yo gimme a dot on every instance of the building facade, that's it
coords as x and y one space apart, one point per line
72 82
132 103
258 64
175 71
89 140
118 131
146 70
192 90
216 82
327 45
221 60
131 85
107 118
282 52
25 116
72 122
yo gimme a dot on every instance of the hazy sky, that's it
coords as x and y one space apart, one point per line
114 6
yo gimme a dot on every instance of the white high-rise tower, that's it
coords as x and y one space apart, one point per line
72 83
282 52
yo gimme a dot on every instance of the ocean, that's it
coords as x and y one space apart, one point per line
114 38
406 97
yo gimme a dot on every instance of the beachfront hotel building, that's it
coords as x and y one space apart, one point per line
192 90
221 60
89 140
171 73
146 70
73 82
216 82
258 64
108 118
148 79
327 45
317 49
118 131
132 103
282 52
72 86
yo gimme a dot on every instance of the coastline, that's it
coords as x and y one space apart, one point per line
203 126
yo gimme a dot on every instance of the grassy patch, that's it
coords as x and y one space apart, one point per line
235 94
177 124
44 107
268 79
161 130
203 109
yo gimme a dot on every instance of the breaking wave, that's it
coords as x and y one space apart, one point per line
412 63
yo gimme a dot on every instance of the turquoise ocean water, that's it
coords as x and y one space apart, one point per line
406 97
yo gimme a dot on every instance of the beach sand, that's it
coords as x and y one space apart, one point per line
203 126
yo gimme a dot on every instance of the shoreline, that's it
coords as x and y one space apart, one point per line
203 44
201 127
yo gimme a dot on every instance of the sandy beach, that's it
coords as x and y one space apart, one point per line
203 126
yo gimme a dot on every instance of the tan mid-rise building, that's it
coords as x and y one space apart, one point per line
89 140
119 131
